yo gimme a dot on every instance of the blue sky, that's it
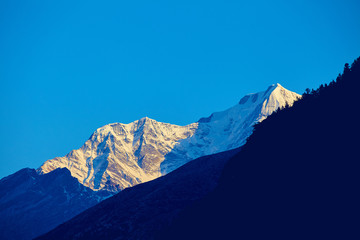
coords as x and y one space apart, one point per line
69 67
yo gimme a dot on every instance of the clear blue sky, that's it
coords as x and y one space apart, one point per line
69 67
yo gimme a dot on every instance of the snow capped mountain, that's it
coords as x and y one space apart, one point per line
119 155
228 129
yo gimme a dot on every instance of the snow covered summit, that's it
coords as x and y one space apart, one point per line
119 155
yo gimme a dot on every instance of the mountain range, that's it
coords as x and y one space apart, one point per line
118 156
295 178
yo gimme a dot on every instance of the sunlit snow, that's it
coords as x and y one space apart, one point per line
119 155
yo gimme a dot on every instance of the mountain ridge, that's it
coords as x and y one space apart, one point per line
120 155
32 204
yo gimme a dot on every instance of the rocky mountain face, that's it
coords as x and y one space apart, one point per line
118 156
32 204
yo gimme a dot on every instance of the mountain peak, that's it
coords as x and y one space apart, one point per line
144 119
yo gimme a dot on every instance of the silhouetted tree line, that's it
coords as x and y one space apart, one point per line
297 177
345 84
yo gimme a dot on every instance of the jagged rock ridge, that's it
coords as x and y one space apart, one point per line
119 155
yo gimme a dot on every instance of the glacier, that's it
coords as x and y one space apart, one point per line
117 155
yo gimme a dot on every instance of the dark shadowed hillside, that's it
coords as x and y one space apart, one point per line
32 204
296 178
140 211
